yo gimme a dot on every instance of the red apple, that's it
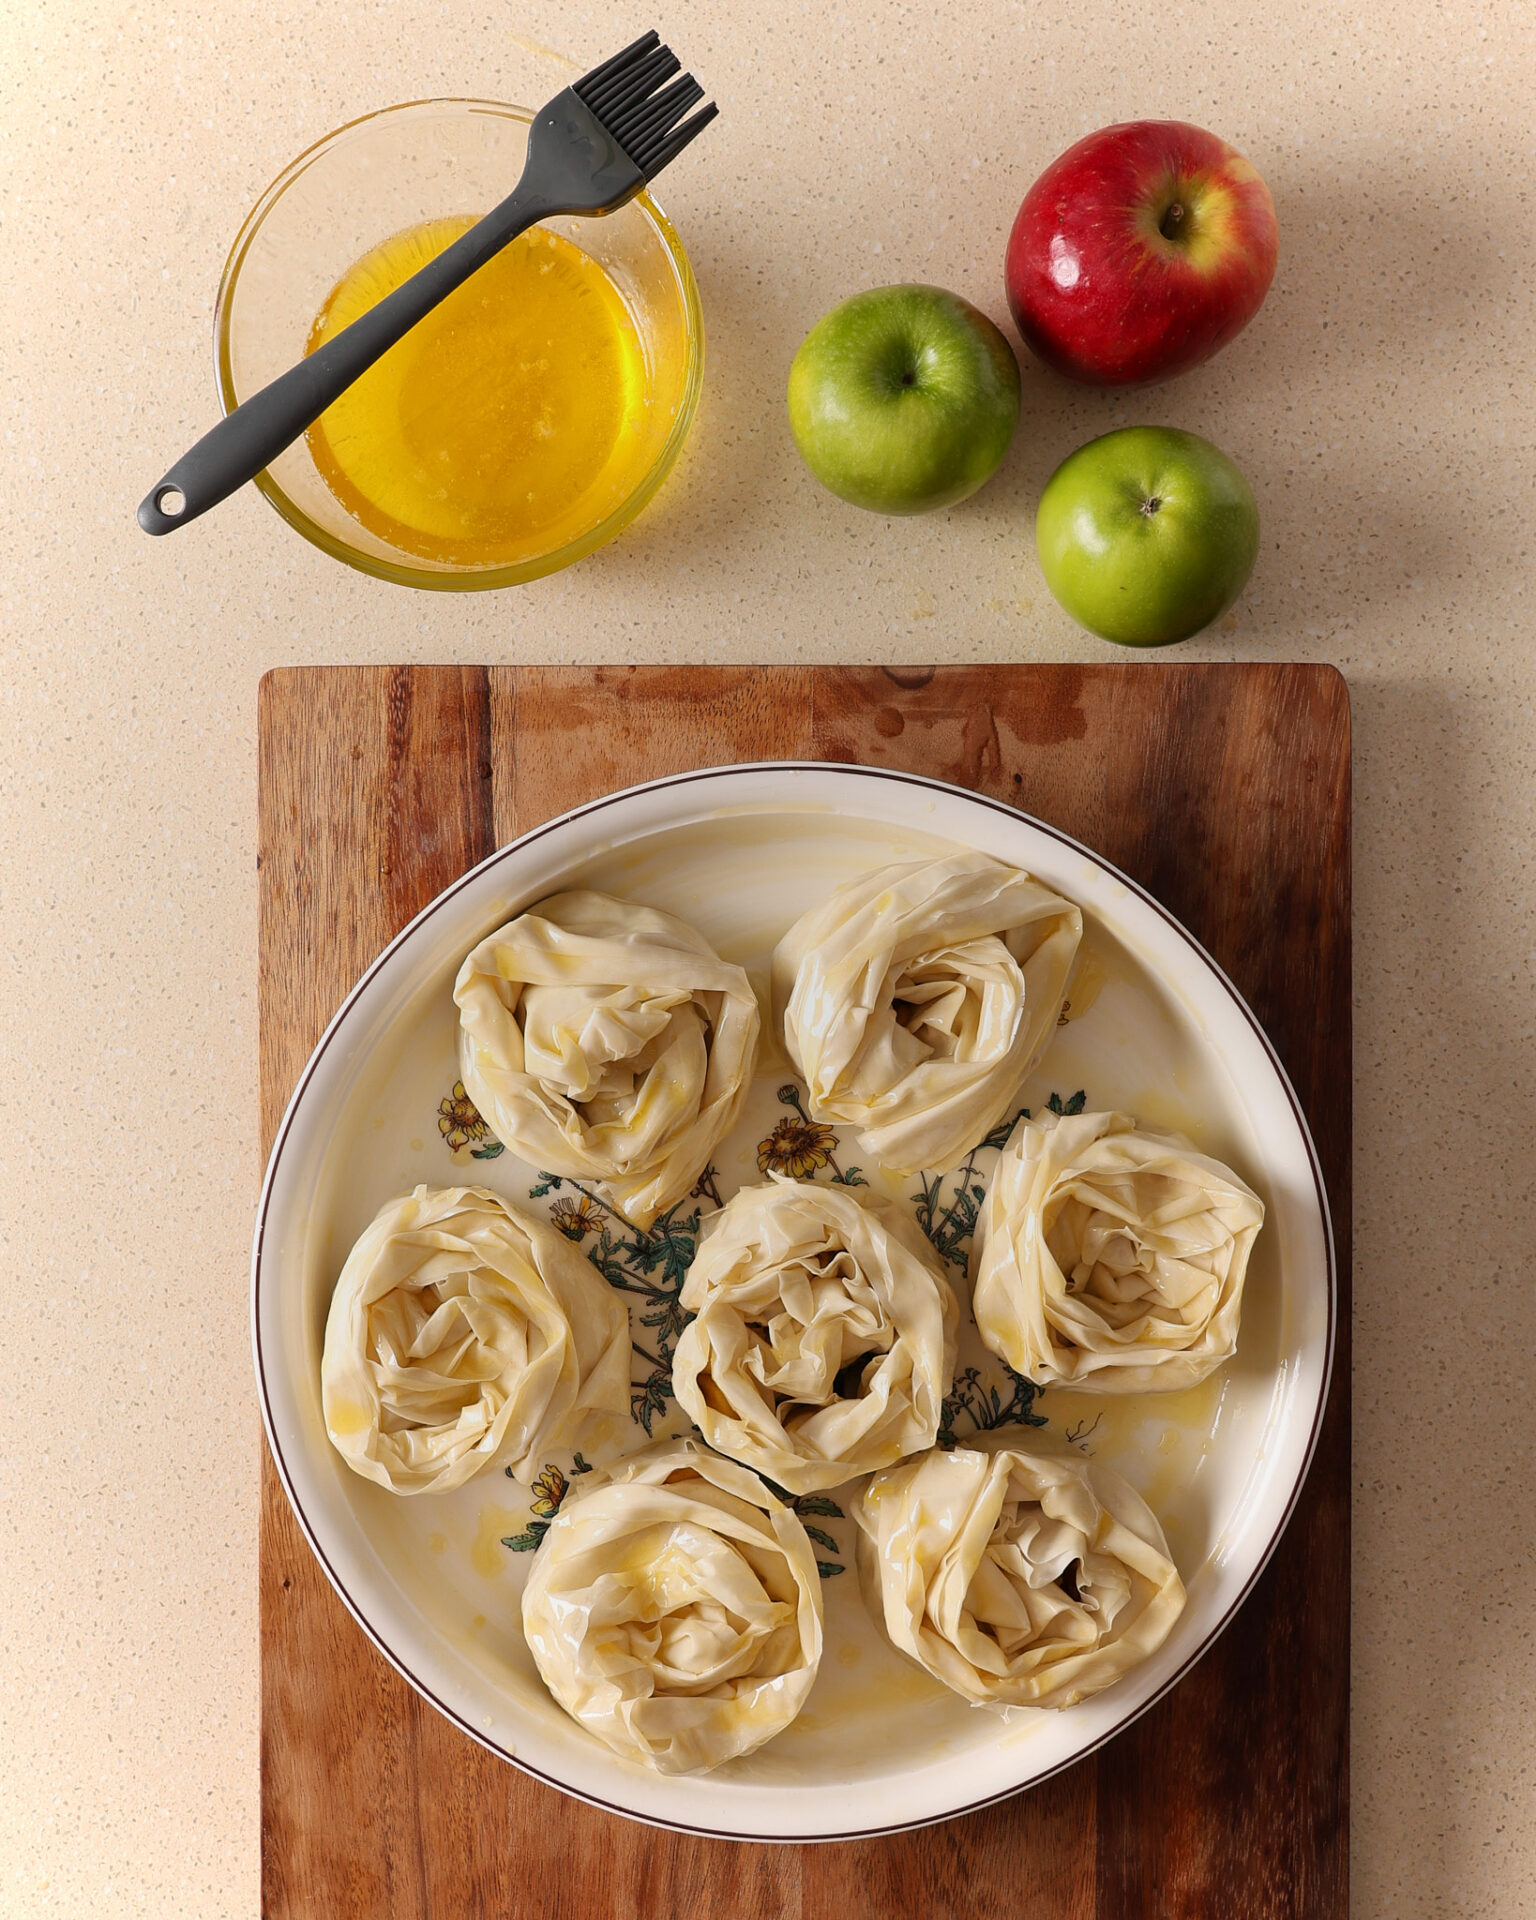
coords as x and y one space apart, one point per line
1139 253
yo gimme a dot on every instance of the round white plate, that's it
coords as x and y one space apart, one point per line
1155 1029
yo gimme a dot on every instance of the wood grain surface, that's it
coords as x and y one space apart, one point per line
1225 791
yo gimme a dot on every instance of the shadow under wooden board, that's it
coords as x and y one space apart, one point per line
1222 789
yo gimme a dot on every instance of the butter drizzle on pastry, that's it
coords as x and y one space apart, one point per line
1016 1572
607 1041
461 1331
1109 1259
915 1000
674 1609
824 1335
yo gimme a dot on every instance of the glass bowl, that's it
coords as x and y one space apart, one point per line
369 180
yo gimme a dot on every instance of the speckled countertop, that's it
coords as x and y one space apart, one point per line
1382 406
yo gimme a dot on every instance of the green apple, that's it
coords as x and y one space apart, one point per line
1147 535
903 399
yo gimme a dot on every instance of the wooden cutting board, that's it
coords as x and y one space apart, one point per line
1225 791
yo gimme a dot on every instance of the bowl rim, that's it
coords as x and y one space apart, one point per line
401 572
1315 1416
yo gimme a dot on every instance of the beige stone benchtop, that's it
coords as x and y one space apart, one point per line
1382 406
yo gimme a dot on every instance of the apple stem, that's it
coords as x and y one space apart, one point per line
1171 221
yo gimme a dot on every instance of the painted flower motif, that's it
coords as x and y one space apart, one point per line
549 1491
796 1147
576 1218
458 1118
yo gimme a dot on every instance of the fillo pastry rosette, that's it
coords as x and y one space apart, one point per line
674 1609
915 1000
464 1331
1109 1259
1018 1574
824 1338
609 1042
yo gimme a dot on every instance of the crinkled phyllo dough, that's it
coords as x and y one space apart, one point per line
1109 1259
674 1609
824 1336
915 1000
1019 1575
463 1331
608 1042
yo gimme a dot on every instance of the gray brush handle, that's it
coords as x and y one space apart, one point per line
251 438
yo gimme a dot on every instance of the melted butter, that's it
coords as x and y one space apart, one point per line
511 420
1163 1107
488 1556
345 1416
1159 1443
565 966
841 1700
1117 1419
1087 982
660 1577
